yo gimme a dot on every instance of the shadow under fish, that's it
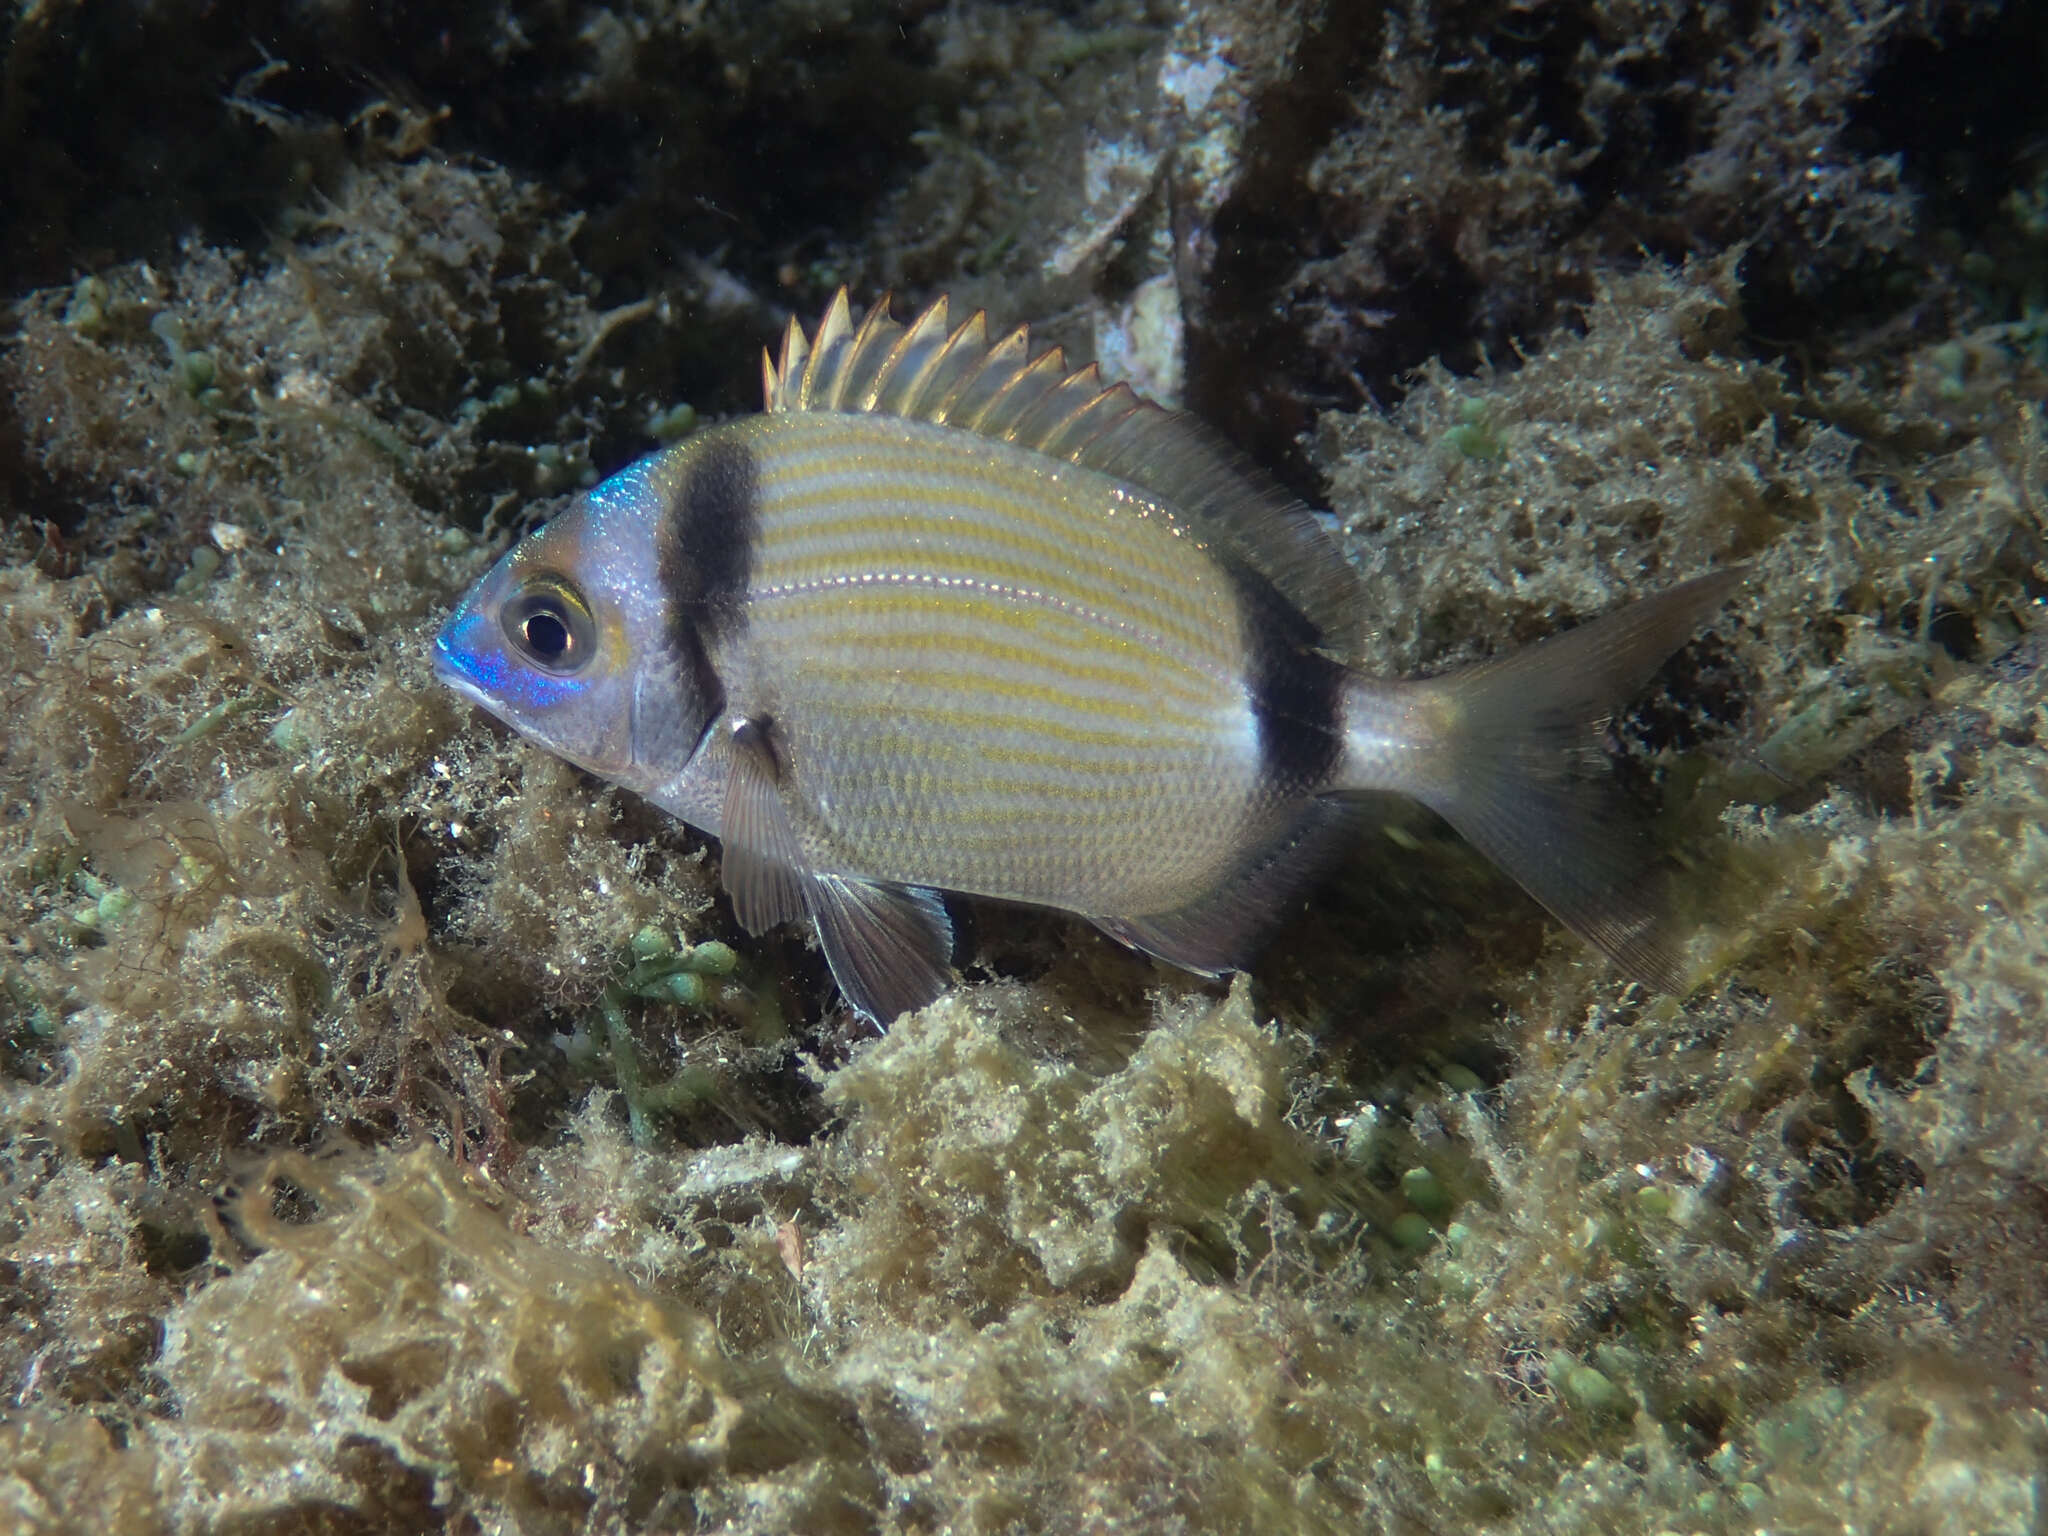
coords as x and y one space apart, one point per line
953 617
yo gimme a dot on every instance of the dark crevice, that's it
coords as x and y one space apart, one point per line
1243 359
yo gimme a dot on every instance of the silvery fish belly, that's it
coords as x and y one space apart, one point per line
952 617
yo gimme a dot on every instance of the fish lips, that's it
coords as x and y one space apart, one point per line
466 659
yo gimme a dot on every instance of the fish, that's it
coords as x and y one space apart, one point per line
952 617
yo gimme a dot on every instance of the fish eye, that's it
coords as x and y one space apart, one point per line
549 626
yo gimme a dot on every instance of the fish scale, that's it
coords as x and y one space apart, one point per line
953 617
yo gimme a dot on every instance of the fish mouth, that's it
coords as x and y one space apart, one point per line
457 664
448 665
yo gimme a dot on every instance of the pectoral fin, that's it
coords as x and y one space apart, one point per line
763 867
889 946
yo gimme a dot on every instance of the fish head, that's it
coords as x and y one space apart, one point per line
557 639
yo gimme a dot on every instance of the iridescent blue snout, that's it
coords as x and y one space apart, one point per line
465 657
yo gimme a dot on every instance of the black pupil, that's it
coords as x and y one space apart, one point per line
546 635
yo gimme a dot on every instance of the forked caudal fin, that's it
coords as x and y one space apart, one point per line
1509 753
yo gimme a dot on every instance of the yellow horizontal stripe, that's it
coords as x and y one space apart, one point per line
984 594
1143 725
982 828
964 825
1035 771
859 611
1031 701
1003 641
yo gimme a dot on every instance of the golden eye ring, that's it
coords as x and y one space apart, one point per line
548 624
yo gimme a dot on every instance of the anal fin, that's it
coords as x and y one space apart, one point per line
1222 931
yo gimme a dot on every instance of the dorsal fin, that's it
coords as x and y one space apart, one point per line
958 377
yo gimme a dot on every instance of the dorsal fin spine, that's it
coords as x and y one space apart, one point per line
885 371
904 373
970 403
969 338
1000 376
1057 435
796 357
1025 391
822 366
788 375
850 391
1041 420
871 322
887 392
